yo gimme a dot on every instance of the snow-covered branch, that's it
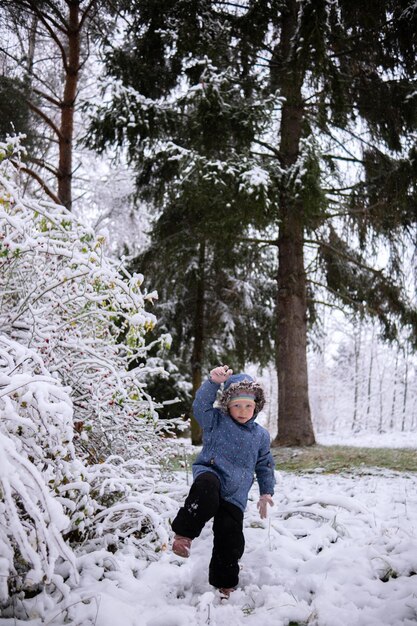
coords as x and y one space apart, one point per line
79 441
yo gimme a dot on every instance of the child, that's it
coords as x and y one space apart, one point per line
234 448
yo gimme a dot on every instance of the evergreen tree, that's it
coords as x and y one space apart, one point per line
337 152
215 299
15 114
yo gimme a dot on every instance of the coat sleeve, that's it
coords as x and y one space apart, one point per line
203 409
265 467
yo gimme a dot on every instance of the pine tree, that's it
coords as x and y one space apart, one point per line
201 269
337 151
215 298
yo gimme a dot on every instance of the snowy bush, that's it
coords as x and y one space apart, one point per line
79 438
35 441
83 312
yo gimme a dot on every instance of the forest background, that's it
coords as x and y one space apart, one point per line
252 162
256 148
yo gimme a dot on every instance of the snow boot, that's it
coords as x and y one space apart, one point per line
181 546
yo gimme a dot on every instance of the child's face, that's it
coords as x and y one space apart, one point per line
242 410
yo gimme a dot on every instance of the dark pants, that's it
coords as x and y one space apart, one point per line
203 503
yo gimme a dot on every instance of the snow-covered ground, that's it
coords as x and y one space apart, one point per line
336 550
367 439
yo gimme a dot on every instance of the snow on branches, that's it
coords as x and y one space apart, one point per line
79 442
83 312
35 443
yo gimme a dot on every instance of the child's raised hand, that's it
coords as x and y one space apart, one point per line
262 505
220 374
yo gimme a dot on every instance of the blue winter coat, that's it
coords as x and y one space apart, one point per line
232 451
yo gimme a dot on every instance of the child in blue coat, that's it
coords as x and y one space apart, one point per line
235 448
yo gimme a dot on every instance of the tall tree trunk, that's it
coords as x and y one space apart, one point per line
31 46
197 356
394 395
413 416
356 378
294 417
369 389
381 401
405 390
72 70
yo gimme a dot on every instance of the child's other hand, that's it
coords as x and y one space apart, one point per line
220 374
262 505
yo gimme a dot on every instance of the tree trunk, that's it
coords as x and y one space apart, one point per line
394 395
72 70
369 391
405 390
357 349
381 402
294 417
413 416
31 46
197 356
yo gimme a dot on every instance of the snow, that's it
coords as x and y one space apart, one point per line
368 439
336 550
254 178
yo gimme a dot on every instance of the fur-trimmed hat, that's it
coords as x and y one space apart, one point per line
242 383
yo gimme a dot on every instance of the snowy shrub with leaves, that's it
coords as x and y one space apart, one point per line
35 446
79 438
82 312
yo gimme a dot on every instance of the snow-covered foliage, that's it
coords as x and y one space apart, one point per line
83 312
79 437
35 455
128 110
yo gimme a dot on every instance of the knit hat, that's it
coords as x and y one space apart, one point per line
242 385
242 395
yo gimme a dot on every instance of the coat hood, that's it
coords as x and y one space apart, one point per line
242 382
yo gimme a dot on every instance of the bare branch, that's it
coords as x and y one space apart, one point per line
53 34
47 97
235 5
269 242
39 179
42 163
268 146
46 118
85 14
348 257
32 6
341 158
30 73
